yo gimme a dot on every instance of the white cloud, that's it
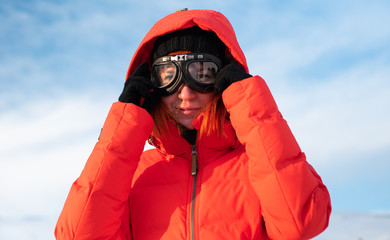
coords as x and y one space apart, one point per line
43 149
347 113
357 226
342 109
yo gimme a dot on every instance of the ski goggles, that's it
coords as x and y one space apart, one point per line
196 70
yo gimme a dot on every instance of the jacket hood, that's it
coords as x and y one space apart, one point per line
207 20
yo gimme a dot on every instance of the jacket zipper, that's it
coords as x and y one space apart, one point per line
194 168
194 171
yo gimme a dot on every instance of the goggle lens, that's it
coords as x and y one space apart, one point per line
165 74
203 72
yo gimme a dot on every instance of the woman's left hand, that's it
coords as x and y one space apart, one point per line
230 73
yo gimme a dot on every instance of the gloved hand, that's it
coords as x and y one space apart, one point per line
139 90
230 73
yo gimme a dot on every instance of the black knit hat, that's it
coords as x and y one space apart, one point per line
191 39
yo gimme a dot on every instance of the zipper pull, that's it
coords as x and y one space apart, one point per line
194 168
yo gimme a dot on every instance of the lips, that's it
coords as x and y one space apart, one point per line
189 110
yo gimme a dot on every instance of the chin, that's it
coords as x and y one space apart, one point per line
187 124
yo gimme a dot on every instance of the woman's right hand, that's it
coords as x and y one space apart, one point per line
139 90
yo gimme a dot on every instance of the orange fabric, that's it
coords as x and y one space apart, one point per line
252 183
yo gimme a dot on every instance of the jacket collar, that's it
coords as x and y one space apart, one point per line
209 148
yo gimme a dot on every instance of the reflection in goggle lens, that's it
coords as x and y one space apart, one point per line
166 73
203 71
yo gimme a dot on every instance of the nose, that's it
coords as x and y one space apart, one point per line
186 93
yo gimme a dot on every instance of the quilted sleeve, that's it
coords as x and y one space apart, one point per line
96 207
295 203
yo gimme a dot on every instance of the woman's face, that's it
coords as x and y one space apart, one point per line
186 104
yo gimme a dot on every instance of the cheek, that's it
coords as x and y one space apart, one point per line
169 100
206 98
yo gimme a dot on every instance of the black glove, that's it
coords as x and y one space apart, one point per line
230 73
139 89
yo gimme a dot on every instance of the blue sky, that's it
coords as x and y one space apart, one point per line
62 64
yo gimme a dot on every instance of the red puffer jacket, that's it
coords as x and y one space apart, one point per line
252 183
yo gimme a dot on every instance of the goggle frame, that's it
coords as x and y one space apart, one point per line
182 75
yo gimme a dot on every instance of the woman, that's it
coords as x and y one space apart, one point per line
225 163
